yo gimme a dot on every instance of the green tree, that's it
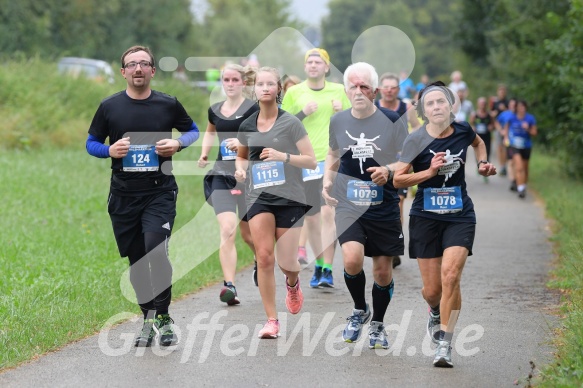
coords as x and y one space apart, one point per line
565 69
340 29
517 57
162 28
95 28
398 14
236 27
428 24
24 27
435 21
475 22
81 27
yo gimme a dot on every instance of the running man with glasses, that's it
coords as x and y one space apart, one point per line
142 199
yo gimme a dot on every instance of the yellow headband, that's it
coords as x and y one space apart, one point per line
318 52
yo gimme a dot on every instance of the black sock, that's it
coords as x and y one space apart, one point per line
381 297
162 305
435 310
356 284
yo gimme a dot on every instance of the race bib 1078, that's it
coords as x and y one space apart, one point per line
442 200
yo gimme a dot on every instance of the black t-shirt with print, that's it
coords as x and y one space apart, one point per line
363 143
419 149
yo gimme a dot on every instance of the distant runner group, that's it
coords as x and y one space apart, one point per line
323 163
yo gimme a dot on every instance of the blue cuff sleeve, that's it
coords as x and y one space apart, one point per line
95 147
189 137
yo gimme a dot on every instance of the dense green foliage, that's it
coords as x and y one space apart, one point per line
92 28
535 48
39 107
428 24
104 29
237 27
532 46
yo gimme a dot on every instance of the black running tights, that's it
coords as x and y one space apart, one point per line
151 272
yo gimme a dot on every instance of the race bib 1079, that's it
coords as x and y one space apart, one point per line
364 193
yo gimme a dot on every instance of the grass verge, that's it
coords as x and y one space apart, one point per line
60 278
563 197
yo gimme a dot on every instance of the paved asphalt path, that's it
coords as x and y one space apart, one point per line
505 323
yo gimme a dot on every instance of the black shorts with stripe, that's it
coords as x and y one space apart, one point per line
379 237
132 215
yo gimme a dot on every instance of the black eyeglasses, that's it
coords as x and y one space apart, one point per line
143 65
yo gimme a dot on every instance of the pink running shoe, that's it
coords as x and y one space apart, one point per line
294 298
270 330
302 256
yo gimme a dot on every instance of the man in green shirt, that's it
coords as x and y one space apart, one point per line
315 101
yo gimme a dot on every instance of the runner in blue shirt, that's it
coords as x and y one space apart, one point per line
517 134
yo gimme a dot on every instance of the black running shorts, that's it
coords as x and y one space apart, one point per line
523 152
379 237
285 216
133 215
226 198
428 238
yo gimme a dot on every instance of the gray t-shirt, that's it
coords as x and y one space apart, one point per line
273 183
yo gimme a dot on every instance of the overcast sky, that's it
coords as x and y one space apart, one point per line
310 11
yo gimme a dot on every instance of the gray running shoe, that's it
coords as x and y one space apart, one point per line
146 334
353 328
377 336
443 355
433 326
163 327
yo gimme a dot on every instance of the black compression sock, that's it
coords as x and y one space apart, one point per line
356 284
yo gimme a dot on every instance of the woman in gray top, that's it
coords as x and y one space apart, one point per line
274 147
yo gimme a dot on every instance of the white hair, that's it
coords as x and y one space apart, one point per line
362 68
